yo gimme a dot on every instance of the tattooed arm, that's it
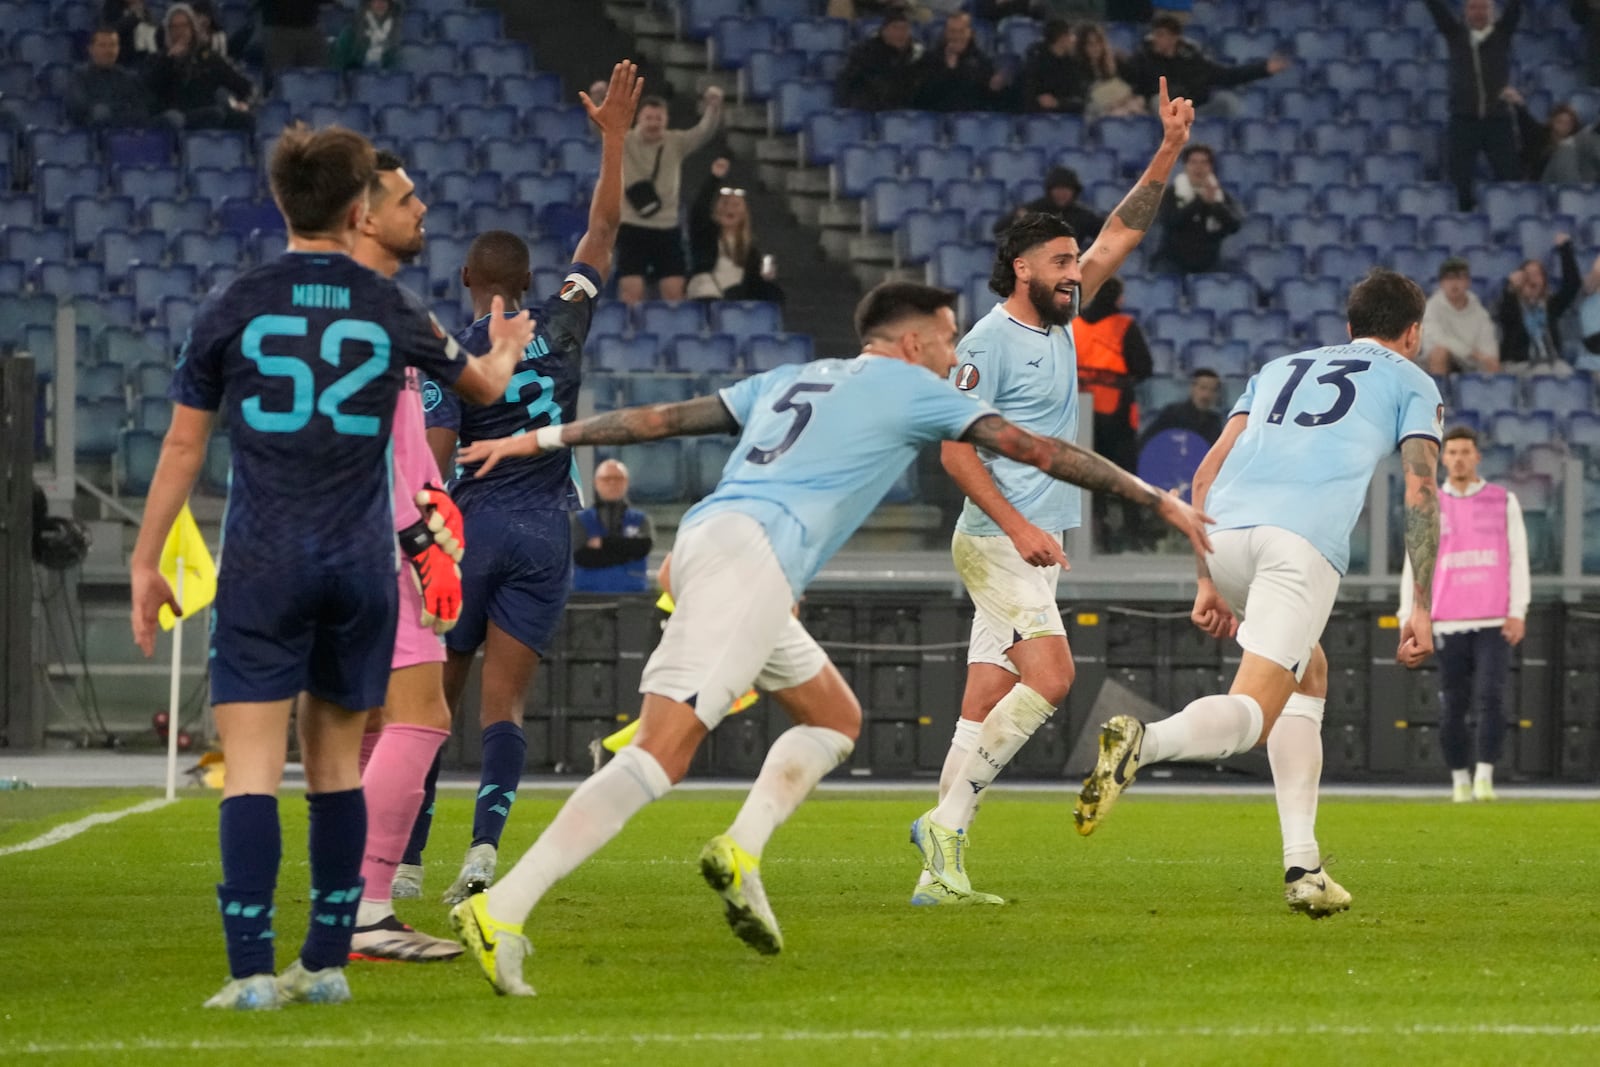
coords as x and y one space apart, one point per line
702 415
1420 457
1069 463
1134 216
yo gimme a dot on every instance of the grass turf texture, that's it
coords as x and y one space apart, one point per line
1162 939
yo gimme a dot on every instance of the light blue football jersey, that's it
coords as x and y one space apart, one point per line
1031 378
822 442
1320 423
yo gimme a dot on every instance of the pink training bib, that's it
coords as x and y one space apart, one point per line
1473 577
413 461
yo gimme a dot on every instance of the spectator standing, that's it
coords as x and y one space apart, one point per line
193 88
1457 333
1167 53
102 92
880 74
1530 337
1571 159
291 36
1197 215
1481 591
1052 78
1480 70
1113 358
137 28
956 75
611 540
1108 93
725 263
649 245
371 41
1541 140
1198 414
1061 191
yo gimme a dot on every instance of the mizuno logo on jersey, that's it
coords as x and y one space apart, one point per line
966 377
1035 362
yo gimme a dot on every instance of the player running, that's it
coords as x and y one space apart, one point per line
1007 545
1286 482
516 581
404 737
308 354
818 447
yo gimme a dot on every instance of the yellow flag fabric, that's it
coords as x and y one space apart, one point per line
199 572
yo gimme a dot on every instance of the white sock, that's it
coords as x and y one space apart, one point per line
1210 728
371 911
794 765
1461 778
1294 749
1008 727
962 742
1484 773
593 815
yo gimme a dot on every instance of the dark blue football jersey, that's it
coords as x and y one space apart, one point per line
305 356
543 392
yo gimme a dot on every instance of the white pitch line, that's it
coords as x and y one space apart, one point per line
582 1038
67 831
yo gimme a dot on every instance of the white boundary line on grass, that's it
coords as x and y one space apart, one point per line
67 831
583 1038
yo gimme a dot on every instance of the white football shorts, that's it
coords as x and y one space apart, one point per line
1280 587
1013 600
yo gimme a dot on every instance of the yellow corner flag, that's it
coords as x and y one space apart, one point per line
199 572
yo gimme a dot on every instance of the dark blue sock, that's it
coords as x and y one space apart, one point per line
338 836
424 823
252 846
504 750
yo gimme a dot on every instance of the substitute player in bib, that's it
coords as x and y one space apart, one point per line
307 355
1286 482
1007 544
518 519
404 736
818 447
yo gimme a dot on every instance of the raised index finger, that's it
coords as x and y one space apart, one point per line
1165 100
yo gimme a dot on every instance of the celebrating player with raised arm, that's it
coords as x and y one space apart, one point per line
308 354
1007 545
819 444
1286 482
516 581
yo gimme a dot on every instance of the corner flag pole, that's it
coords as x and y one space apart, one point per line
172 692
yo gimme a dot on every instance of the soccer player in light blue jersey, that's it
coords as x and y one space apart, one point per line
1007 545
1286 482
819 444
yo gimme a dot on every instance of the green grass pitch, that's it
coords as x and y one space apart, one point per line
1162 940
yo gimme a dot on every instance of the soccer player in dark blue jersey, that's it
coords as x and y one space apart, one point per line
515 581
306 355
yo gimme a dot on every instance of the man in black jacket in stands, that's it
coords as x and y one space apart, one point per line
879 74
1480 69
1167 53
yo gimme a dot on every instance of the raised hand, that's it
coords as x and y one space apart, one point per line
614 115
517 328
1176 116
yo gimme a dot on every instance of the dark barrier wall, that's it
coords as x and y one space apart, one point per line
905 657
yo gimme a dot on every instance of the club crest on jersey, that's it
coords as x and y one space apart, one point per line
432 395
966 377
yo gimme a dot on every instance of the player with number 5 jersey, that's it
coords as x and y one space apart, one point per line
818 446
306 355
1286 482
516 579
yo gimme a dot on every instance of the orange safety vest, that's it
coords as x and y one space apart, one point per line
1102 369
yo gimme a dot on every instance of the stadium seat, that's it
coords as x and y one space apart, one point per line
1486 393
1579 201
55 184
488 120
952 265
716 354
668 319
1344 264
655 471
153 411
153 285
764 71
796 101
891 199
214 148
983 131
921 232
1130 137
1385 231
1308 231
1420 264
139 148
765 351
1563 396
735 38
147 183
1504 202
707 459
1282 200
1230 359
409 122
430 155
64 147
207 249
1271 135
907 129
814 35
246 216
859 166
1266 264
1328 328
1333 168
940 164
516 217
48 243
99 422
308 86
510 157
745 318
86 280
1456 230
219 185
1014 166
1583 431
1298 295
1049 132
658 387
120 250
552 124
468 27
137 453
377 88
101 381
1307 106
610 320
1257 328
975 194
478 187
540 189
1144 293
1179 328
1221 293
628 355
122 346
1534 235
829 133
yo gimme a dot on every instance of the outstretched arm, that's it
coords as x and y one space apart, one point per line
702 415
614 117
1420 457
1128 224
1069 463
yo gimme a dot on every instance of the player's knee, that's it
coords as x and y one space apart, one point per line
1314 682
1053 680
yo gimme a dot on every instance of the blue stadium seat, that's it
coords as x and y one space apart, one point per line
1382 106
207 249
1391 168
666 318
1221 293
697 18
477 187
1130 137
1334 168
764 71
445 255
716 354
1491 262
120 250
352 116
605 389
152 411
638 353
940 164
125 347
214 148
530 90
220 185
515 217
1049 132
137 453
819 35
611 319
708 456
1328 328
18 210
796 101
953 264
308 86
1347 138
1350 201
734 39
1486 393
1180 328
1563 397
546 252
1349 76
566 223
87 280
1256 328
139 148
1277 136
1456 230
1265 264
1420 264
1307 106
1534 235
552 124
1344 264
499 58
1144 293
245 216
1424 139
450 90
88 217
982 131
907 129
1308 231
100 420
921 232
152 285
512 157
1092 166
376 88
1546 461
827 134
429 155
1023 167
1321 45
1577 200
1522 430
540 189
657 388
55 184
1282 200
578 155
655 471
64 147
745 318
861 165
765 351
1227 358
1385 231
408 122
1583 430
891 199
101 381
975 194
786 10
420 57
468 27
